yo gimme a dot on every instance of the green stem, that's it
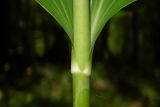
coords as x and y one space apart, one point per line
81 60
81 29
81 90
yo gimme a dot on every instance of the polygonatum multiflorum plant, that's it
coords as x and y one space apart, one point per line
82 20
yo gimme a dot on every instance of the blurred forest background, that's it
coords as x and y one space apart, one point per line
35 58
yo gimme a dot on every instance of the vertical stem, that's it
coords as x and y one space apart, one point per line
81 29
81 91
81 61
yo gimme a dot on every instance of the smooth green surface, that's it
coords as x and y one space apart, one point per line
81 91
81 29
81 51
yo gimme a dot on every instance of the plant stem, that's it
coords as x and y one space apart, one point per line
81 29
81 90
81 60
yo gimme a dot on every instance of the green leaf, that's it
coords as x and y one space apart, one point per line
61 10
101 12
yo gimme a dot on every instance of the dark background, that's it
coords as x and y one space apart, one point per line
35 58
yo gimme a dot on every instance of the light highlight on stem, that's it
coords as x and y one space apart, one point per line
75 69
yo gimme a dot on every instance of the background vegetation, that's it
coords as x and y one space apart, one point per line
35 58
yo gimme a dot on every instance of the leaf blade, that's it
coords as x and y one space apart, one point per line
61 10
101 12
